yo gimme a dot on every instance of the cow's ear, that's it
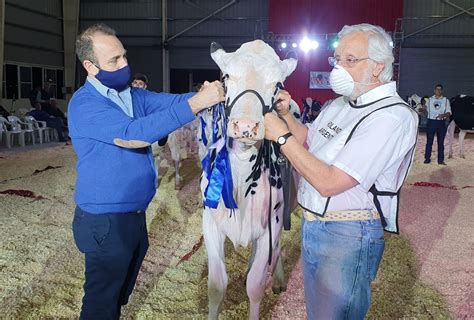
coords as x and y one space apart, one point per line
288 66
219 55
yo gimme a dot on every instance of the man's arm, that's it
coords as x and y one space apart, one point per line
209 95
164 114
298 129
447 114
328 180
95 119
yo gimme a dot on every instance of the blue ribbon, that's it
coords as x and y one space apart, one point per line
216 164
203 131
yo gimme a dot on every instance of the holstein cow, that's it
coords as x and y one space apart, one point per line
181 143
242 185
462 107
415 102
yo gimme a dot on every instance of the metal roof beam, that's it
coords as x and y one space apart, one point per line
202 20
462 11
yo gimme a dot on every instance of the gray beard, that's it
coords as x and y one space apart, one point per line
360 89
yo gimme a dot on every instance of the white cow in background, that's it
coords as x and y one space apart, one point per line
181 143
253 70
462 107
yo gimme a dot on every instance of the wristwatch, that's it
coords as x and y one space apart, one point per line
282 139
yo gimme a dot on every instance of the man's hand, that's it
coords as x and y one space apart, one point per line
209 95
274 127
283 105
443 116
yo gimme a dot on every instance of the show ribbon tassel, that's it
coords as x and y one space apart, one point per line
216 164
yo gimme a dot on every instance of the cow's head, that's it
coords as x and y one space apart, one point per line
414 100
254 66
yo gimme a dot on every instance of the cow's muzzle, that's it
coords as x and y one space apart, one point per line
244 129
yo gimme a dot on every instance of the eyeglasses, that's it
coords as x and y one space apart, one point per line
348 62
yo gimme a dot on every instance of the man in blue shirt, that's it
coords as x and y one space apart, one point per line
112 127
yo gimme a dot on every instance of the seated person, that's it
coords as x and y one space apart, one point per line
40 94
51 121
53 110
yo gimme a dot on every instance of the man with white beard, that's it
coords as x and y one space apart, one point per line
353 160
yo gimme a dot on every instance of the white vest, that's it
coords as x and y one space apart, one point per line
347 118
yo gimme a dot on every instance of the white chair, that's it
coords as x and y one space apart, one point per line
10 131
53 134
27 128
40 127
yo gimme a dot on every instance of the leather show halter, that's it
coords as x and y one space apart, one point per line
265 109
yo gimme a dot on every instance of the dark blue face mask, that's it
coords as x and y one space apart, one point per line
117 79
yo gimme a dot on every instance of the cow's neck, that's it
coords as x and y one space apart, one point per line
242 151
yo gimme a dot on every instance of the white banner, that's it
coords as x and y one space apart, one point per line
319 80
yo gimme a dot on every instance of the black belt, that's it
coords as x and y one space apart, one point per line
136 212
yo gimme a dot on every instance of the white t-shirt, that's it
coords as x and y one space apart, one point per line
378 151
437 106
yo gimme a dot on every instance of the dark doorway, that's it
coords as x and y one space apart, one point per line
37 77
186 80
11 76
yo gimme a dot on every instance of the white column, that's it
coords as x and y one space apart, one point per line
165 51
70 28
2 41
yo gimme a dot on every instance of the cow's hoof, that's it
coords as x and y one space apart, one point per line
178 185
463 156
450 156
278 289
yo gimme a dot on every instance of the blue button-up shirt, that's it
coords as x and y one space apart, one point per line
123 99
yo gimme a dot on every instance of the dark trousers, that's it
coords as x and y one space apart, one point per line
437 127
57 124
114 246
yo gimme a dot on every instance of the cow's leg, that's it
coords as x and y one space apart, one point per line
279 280
450 131
259 270
252 256
462 135
178 179
157 150
217 276
257 276
173 144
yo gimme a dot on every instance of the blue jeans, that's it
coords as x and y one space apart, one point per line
114 246
438 128
340 260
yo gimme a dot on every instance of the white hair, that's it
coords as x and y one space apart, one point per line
380 46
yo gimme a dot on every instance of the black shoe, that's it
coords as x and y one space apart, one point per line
427 161
442 164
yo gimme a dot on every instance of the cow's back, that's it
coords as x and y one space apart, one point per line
463 112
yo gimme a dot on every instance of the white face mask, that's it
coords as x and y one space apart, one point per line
342 83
